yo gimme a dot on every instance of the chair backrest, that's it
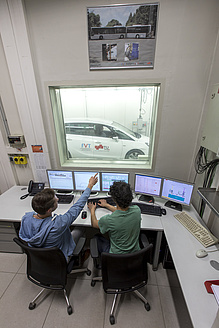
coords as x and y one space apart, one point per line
125 271
45 266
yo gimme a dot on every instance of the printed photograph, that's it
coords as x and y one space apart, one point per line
125 24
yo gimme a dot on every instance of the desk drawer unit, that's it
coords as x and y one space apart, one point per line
7 233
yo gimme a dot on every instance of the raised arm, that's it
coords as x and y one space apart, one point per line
92 181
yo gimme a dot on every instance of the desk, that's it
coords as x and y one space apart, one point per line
13 209
192 271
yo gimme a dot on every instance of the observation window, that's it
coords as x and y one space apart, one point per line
107 126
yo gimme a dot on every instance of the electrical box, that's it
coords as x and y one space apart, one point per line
139 126
16 141
210 135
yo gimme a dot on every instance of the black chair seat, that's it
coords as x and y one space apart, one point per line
123 273
48 268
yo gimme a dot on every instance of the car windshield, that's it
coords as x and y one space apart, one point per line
123 128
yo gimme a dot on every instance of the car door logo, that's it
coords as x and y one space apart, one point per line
106 148
99 147
85 146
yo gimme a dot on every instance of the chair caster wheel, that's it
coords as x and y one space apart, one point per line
93 283
32 306
88 272
147 306
69 309
112 319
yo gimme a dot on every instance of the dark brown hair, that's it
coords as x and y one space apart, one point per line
121 193
43 201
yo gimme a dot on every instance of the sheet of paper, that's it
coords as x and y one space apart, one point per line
215 289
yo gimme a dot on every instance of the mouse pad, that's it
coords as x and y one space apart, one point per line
214 264
208 284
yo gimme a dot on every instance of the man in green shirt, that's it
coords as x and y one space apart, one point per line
122 225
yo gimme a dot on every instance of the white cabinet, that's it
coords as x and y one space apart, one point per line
210 135
7 233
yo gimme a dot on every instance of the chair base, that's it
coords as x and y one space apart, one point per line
115 299
88 272
32 304
94 280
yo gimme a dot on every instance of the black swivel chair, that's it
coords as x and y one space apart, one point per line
48 268
124 273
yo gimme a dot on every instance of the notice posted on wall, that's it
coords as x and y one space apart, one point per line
40 163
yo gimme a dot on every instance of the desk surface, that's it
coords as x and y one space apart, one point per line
192 271
13 209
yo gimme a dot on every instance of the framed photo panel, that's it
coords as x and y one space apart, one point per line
122 36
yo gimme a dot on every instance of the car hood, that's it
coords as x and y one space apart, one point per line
143 139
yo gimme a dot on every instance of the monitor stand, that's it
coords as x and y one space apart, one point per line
173 205
146 198
94 193
64 191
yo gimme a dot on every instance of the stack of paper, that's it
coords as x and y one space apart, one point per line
215 289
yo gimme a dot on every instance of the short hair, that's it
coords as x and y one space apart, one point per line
121 193
43 201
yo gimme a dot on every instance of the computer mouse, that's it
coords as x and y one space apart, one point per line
84 215
201 253
163 211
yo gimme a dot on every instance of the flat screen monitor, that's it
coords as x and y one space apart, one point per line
60 180
81 179
147 186
109 177
178 193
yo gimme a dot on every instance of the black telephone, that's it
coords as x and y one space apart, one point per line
33 188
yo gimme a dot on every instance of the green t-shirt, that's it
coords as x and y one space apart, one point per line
123 228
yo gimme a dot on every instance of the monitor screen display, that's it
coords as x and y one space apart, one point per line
82 178
147 185
109 177
176 191
60 180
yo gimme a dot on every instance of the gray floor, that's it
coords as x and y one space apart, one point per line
90 305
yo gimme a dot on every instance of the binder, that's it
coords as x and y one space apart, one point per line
208 284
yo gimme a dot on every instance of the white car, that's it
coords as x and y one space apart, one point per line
103 139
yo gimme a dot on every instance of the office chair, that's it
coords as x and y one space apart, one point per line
143 241
124 273
48 268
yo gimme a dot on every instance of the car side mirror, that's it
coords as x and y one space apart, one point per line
115 138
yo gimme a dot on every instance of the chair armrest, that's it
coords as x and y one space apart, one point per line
79 246
144 240
93 248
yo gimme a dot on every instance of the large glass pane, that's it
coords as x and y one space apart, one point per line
113 124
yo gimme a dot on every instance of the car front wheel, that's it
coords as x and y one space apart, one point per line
133 154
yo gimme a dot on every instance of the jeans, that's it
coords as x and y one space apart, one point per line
103 243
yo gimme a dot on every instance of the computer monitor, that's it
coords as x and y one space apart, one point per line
109 177
60 180
81 179
178 193
147 186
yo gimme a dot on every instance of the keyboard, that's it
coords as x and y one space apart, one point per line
149 208
65 199
95 200
196 229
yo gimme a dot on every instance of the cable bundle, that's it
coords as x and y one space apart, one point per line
202 165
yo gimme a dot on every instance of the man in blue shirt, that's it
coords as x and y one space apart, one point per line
42 229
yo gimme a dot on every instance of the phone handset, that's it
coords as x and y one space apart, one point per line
30 186
33 188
